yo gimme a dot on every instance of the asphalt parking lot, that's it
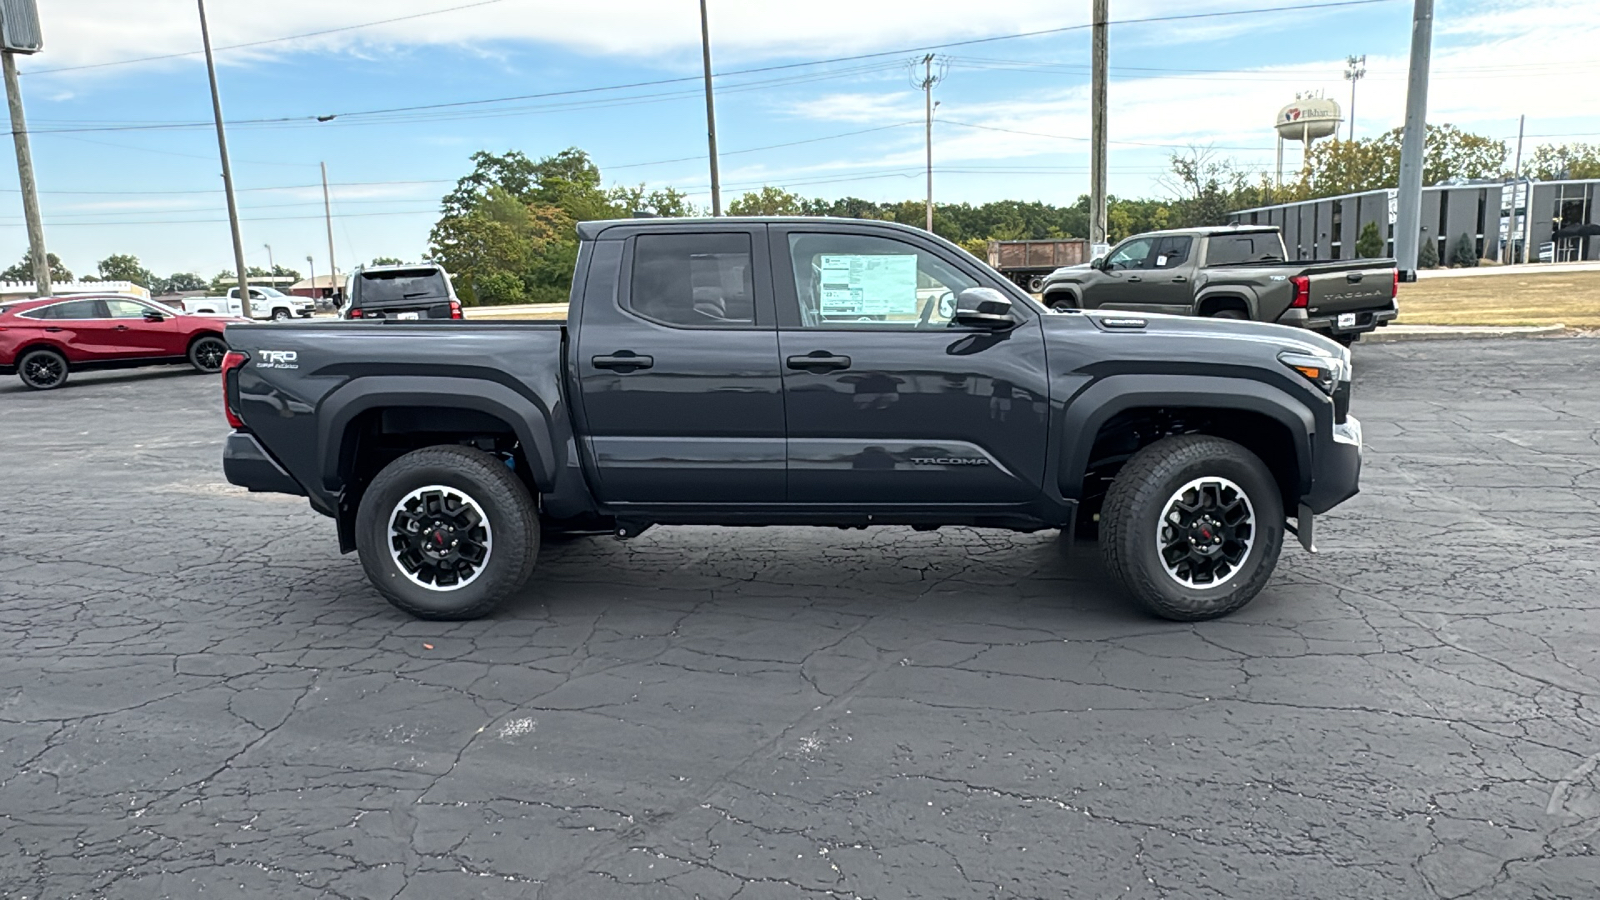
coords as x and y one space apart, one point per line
199 697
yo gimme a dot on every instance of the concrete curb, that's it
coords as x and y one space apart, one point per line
1398 333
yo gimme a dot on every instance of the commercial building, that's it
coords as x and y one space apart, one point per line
1563 215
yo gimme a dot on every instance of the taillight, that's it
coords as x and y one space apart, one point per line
455 309
231 363
355 313
1394 290
1302 291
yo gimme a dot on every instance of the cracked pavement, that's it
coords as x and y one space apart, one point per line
199 697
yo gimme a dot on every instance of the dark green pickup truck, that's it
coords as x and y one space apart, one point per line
1232 273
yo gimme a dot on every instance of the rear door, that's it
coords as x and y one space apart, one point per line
81 328
887 401
677 362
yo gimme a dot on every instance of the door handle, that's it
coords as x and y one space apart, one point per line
1353 277
623 361
52 329
120 328
1178 279
1133 278
819 361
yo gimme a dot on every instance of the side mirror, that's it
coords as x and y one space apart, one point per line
1099 262
154 316
983 306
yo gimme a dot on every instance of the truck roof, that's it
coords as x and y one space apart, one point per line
591 230
1209 230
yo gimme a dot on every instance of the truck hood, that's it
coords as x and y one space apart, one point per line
1233 338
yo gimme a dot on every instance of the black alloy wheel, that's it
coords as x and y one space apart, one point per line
206 354
42 370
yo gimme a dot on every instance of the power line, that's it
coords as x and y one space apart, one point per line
310 119
262 43
1069 137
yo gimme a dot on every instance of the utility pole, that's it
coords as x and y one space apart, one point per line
926 85
1097 120
311 264
30 193
1408 215
327 213
227 171
1516 182
711 111
1355 70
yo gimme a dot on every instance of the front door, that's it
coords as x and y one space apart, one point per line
677 357
1121 282
887 401
137 337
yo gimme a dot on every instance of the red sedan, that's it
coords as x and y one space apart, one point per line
43 340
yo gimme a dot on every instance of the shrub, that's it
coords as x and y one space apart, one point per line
1427 253
1464 252
1369 244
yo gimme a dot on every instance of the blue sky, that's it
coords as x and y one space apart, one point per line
115 178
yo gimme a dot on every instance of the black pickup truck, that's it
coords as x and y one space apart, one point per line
790 371
1232 272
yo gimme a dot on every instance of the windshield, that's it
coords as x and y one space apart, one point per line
271 292
409 284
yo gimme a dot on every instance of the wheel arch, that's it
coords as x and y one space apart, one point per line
41 344
1121 414
1214 301
1055 294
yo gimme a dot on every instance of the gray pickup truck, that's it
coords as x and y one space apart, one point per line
1232 273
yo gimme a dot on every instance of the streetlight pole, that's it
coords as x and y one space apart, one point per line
312 265
1408 215
272 267
711 111
1355 70
327 212
227 171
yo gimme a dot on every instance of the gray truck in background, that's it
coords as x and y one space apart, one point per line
1231 272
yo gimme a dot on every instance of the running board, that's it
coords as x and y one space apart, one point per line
1304 528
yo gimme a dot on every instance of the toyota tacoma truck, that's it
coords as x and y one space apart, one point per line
1232 272
795 371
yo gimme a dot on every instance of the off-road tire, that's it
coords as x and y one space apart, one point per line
1237 314
206 353
511 512
281 315
1138 499
34 366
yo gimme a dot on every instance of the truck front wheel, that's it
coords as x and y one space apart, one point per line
1192 526
447 532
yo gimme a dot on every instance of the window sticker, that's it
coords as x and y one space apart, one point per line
861 285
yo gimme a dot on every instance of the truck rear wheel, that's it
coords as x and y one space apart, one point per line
447 533
1192 527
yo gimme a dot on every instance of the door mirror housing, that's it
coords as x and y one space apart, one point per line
984 307
153 316
1099 262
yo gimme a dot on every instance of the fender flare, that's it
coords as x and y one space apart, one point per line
1095 405
1065 288
529 422
1252 302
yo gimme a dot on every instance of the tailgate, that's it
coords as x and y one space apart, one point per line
1351 290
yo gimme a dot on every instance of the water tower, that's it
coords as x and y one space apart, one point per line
1309 117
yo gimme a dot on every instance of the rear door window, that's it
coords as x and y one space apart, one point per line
1171 253
693 280
73 309
1231 249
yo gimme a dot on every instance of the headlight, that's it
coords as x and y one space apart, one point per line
1326 372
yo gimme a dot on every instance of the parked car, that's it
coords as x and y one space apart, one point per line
402 292
1232 272
708 374
265 303
43 341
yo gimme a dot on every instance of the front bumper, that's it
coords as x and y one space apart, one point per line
1337 467
246 463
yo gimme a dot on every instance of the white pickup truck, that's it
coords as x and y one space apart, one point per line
265 303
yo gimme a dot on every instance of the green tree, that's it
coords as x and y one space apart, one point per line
1427 253
1336 167
667 202
1554 163
387 261
1369 244
23 270
769 201
1464 252
124 267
